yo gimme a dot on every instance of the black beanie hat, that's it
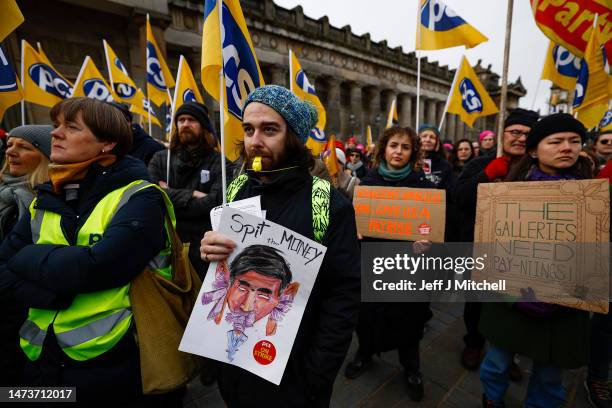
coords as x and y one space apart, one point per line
521 116
198 111
555 123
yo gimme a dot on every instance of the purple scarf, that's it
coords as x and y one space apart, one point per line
535 174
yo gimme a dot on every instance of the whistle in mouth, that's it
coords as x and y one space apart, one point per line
257 164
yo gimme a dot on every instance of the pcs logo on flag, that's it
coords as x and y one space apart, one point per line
607 120
566 63
304 84
189 96
124 91
154 72
471 100
239 65
318 134
49 81
437 17
581 85
95 89
8 79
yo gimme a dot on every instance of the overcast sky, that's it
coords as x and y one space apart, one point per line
394 20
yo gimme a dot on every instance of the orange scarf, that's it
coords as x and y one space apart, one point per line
61 174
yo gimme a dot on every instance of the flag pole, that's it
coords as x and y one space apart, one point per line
418 54
22 82
222 112
504 90
178 81
450 94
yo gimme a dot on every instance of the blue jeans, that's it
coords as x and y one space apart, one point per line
545 388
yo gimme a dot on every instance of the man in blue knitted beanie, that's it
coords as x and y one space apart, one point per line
276 125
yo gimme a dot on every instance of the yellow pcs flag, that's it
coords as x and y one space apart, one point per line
606 123
142 107
439 27
369 139
91 84
239 63
42 83
561 67
301 86
468 97
10 86
392 118
159 77
11 17
186 88
592 88
329 157
123 86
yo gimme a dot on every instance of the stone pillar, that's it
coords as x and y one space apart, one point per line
374 109
450 127
431 112
439 113
405 116
356 109
460 126
421 111
333 106
280 76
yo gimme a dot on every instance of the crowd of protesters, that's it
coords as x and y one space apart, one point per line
88 204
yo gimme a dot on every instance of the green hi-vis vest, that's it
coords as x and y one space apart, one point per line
321 196
95 321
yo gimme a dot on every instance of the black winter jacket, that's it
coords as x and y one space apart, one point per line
441 171
188 172
331 313
465 194
143 145
50 276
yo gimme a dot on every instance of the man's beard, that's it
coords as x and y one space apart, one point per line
188 138
268 162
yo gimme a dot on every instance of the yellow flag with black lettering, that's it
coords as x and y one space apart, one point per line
123 86
91 84
10 86
469 98
159 77
42 84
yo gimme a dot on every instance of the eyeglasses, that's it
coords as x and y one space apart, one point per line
516 133
605 141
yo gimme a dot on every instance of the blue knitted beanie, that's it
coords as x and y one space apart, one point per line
427 126
301 116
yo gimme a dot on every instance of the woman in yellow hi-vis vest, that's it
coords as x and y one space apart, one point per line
92 229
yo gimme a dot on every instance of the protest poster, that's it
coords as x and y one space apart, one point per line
550 236
250 307
400 213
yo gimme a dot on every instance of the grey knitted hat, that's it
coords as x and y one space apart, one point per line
38 135
300 116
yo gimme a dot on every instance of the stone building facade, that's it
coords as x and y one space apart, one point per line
355 77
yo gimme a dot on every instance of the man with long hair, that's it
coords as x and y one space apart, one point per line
276 125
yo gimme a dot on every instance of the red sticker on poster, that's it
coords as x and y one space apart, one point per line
424 229
264 352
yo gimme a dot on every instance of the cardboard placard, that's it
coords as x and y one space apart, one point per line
400 213
550 236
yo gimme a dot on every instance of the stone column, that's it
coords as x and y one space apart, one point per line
356 109
374 108
460 126
405 116
431 111
280 75
421 111
439 113
333 106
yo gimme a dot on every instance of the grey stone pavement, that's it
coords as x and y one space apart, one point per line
447 383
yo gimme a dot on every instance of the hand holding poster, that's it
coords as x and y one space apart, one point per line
400 213
251 305
550 238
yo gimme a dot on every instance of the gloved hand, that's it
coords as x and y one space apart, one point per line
498 168
529 305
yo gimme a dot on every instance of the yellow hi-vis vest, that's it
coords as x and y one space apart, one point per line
95 321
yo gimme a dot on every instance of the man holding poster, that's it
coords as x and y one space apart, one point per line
276 125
